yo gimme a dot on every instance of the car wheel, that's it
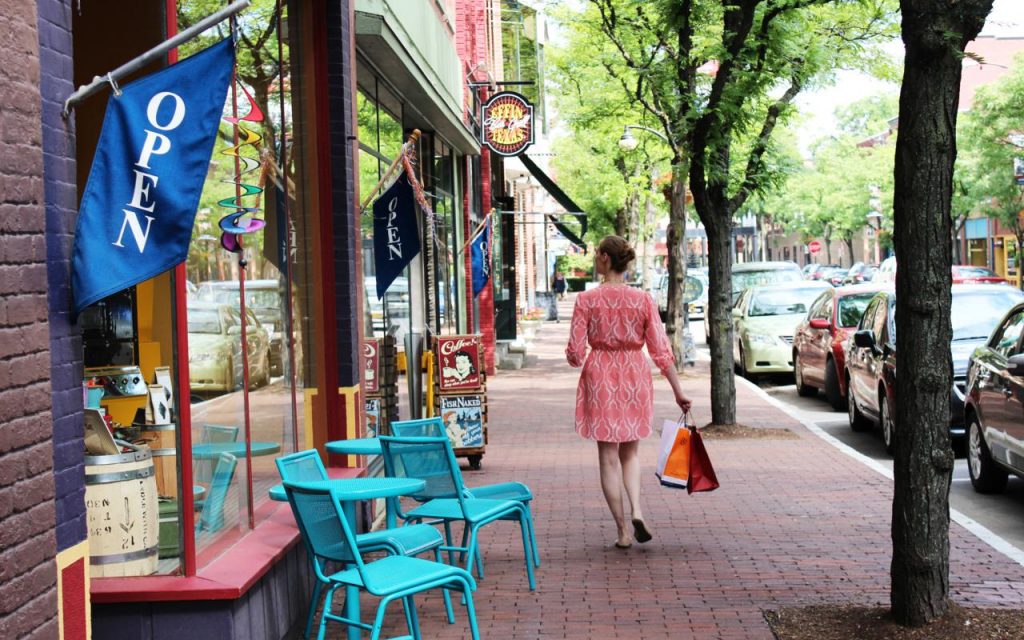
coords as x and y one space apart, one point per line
265 377
798 373
857 421
986 475
233 383
743 365
887 422
832 392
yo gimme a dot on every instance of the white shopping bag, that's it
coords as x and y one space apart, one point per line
674 454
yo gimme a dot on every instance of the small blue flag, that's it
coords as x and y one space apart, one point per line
396 236
140 200
480 256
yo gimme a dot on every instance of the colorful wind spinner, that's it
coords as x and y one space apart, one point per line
240 220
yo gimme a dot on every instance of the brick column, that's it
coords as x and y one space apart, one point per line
28 591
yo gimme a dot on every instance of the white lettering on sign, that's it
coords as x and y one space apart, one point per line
394 240
448 348
369 349
131 220
143 193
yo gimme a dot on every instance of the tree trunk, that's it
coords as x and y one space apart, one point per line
723 385
849 247
827 236
934 33
676 265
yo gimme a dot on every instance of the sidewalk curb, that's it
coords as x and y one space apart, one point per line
983 533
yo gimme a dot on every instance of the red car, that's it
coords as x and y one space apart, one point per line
967 274
818 357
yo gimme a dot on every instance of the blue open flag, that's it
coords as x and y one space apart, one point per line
396 236
140 200
480 256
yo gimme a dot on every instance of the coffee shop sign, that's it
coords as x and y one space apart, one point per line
507 123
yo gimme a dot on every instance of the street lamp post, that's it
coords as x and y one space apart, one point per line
627 142
875 222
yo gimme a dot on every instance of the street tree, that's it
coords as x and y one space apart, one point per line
716 74
935 33
614 185
830 197
990 143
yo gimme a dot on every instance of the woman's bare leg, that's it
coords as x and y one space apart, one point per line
611 485
630 463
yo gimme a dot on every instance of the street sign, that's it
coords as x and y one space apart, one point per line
814 247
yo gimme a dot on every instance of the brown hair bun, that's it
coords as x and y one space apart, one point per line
618 251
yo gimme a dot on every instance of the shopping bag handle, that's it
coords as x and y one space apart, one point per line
690 424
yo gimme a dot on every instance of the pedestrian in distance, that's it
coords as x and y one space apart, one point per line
615 396
558 285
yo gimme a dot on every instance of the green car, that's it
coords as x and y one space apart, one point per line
764 320
215 348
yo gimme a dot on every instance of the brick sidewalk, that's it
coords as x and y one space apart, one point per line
795 522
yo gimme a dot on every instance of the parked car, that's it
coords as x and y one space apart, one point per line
395 302
266 299
215 348
818 357
886 270
968 274
817 271
696 278
833 275
860 273
871 355
764 319
994 409
749 274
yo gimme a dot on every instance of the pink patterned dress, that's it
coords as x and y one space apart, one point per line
615 397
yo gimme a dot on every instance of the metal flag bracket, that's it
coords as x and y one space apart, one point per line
150 56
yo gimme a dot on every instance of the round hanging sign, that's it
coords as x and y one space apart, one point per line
507 123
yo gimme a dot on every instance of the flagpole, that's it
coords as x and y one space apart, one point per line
156 52
476 232
413 137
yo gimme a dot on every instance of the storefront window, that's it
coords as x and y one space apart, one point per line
253 389
380 142
446 290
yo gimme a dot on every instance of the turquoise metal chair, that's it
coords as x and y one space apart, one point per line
211 518
208 434
329 537
434 428
306 466
444 496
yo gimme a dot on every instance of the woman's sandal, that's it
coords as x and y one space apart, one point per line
640 531
623 546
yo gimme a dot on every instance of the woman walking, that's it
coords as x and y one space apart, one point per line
614 400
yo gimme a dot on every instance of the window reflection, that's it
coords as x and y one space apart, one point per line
255 385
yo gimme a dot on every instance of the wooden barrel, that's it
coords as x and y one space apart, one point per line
121 510
160 440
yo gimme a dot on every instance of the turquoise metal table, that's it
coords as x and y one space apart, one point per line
210 450
357 490
355 447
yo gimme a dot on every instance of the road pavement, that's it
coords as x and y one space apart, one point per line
1002 514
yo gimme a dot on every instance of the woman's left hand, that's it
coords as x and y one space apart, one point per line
683 401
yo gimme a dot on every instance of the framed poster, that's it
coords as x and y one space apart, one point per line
463 418
371 365
458 363
373 417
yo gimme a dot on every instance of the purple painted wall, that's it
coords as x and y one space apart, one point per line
61 200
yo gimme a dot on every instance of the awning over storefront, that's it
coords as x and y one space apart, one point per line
562 199
412 50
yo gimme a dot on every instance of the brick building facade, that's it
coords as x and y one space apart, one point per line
28 578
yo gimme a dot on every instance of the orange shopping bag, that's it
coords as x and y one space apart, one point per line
683 462
674 454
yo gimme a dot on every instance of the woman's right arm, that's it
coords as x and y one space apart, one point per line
576 352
